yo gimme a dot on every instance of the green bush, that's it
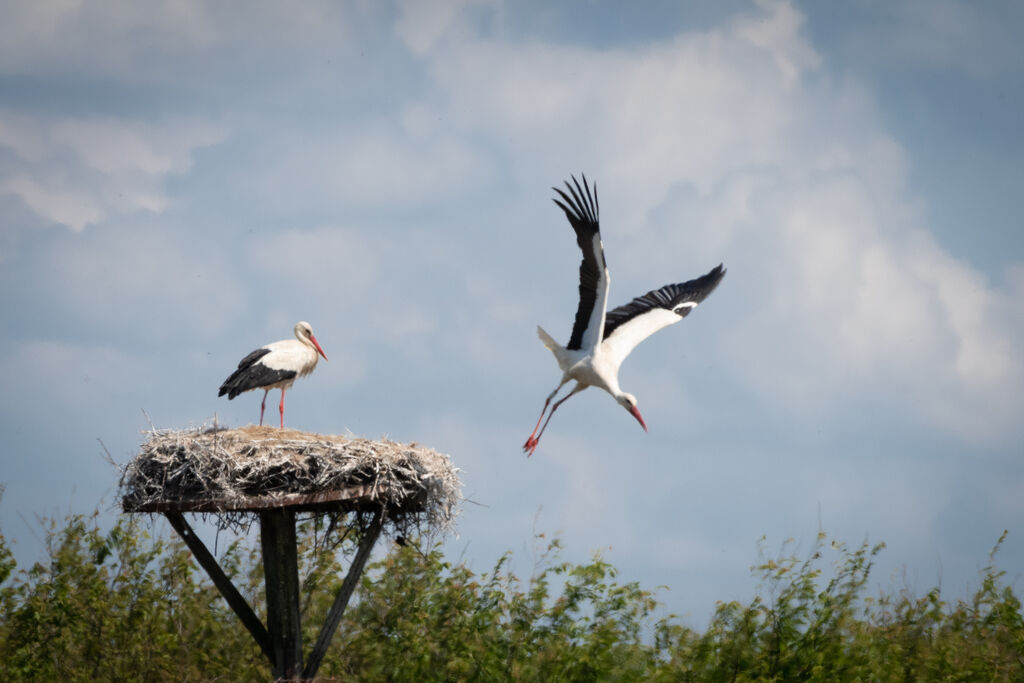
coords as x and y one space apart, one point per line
120 605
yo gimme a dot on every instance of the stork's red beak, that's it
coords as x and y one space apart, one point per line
639 418
318 348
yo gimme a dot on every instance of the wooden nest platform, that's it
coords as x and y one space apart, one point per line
271 475
235 474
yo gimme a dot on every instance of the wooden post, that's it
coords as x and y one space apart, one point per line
337 610
164 477
281 570
227 589
282 644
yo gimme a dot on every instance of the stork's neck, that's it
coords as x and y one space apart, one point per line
310 346
300 334
612 384
607 376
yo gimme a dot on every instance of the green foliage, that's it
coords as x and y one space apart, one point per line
120 605
420 618
799 629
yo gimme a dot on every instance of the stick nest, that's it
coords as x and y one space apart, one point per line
235 474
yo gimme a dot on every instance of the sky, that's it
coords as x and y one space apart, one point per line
182 182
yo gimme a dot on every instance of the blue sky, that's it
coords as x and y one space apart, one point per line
183 182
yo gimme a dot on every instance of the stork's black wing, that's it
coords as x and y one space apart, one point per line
629 324
581 208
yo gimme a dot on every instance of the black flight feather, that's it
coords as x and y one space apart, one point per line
669 297
582 211
251 374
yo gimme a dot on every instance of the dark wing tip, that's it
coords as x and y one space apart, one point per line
700 288
716 274
678 298
580 204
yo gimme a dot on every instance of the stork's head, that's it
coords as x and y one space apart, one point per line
628 401
304 332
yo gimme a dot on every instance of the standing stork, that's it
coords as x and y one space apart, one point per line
275 366
601 341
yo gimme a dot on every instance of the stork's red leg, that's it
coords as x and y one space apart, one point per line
263 405
531 443
529 440
281 408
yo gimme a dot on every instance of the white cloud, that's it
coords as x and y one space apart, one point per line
421 25
78 172
82 372
323 259
847 293
70 206
404 158
110 146
359 278
380 167
848 300
142 283
686 110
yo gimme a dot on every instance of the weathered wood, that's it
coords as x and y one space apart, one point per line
278 474
352 498
227 589
337 610
281 571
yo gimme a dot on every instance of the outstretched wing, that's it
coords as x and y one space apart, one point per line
581 209
628 325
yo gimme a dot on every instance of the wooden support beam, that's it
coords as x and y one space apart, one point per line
281 571
227 589
337 610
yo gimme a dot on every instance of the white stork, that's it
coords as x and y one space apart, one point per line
600 341
275 366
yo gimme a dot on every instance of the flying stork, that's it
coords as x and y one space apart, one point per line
275 366
601 341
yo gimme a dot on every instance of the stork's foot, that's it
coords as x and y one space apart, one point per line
530 446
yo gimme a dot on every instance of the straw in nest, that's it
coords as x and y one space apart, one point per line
237 473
